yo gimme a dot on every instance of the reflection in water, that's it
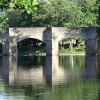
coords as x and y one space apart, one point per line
5 68
98 66
42 77
71 61
49 72
90 66
26 73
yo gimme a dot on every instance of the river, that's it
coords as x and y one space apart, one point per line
50 78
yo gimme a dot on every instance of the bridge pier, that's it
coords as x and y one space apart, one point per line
51 40
52 47
5 48
91 46
10 48
90 40
55 47
13 48
91 65
98 45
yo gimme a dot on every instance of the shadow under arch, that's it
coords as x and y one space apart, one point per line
31 46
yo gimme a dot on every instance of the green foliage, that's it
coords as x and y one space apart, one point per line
90 11
9 17
35 52
76 50
3 22
3 25
27 5
48 13
19 19
98 20
67 13
77 90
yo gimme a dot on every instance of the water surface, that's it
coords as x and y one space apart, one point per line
50 78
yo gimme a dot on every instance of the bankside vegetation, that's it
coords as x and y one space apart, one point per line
59 13
48 13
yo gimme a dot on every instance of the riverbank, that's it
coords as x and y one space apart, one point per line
44 53
61 54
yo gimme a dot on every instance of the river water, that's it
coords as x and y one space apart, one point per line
50 78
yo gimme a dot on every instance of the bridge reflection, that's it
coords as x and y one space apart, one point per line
49 73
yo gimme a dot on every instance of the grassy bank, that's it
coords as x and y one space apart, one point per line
39 51
34 52
76 50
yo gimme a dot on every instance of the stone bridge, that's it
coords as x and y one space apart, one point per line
50 36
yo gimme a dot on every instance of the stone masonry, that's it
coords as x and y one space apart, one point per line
50 36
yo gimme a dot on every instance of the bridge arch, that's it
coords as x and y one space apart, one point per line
72 45
30 46
23 33
88 34
29 37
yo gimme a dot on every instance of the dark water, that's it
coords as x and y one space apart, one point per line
50 78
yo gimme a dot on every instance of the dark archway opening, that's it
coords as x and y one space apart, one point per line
0 55
0 48
31 46
72 46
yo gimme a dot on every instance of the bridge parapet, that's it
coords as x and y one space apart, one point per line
24 33
83 33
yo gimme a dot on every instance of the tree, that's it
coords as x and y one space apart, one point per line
20 7
90 11
69 13
27 5
8 6
59 13
98 21
3 22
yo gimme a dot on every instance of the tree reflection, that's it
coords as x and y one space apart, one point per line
71 61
